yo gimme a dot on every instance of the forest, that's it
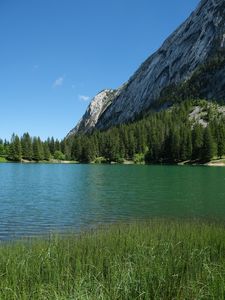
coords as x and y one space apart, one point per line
167 136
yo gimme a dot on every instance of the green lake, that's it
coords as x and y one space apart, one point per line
42 198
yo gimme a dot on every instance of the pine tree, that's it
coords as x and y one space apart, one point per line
175 144
88 154
57 145
76 150
2 149
67 151
63 145
38 153
186 143
51 144
6 148
111 151
15 151
47 154
131 147
41 150
197 141
26 144
221 140
208 147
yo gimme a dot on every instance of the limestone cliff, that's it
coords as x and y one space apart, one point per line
200 37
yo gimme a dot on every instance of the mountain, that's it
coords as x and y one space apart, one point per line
189 64
96 108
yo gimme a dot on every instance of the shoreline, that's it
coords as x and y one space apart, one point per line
40 162
212 163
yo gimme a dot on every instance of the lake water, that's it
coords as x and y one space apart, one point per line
40 198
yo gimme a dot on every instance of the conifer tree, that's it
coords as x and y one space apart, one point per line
15 151
51 144
175 144
38 153
47 154
197 141
57 145
76 150
2 149
221 140
26 144
88 154
208 147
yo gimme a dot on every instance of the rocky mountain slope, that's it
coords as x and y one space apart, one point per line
96 108
195 50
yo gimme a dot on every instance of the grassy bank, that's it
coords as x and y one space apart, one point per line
3 159
154 260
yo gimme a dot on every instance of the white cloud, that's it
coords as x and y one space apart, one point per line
84 98
58 82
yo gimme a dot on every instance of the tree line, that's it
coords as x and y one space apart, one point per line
168 136
31 148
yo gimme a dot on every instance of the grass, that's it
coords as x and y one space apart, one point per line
3 159
148 260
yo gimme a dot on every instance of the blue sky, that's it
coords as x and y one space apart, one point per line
57 54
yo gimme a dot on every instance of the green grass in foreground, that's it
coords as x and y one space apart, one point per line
152 260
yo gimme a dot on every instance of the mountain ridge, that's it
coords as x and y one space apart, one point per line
192 44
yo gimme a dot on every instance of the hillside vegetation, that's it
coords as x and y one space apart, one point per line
190 131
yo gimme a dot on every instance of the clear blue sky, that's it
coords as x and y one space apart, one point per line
57 54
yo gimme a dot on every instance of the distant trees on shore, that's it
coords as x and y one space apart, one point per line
169 136
31 149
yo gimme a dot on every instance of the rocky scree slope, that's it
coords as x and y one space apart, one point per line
198 40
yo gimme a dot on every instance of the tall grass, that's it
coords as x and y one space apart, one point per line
149 260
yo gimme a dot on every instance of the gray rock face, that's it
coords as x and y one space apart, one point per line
201 113
94 111
189 46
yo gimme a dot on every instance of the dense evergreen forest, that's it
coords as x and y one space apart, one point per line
31 149
169 136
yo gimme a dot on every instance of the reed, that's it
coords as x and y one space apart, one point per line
158 259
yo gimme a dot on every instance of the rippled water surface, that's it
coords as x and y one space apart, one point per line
40 198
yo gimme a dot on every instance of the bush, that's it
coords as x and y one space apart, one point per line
100 160
139 158
59 155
